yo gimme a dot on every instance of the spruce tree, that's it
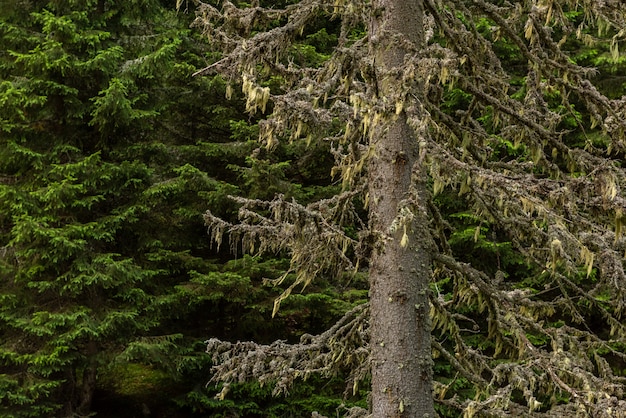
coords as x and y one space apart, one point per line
97 194
416 94
110 152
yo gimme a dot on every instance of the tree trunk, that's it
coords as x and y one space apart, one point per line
400 265
88 381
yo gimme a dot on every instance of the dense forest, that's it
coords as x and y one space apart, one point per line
129 128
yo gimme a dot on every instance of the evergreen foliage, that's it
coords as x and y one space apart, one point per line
110 151
82 276
90 170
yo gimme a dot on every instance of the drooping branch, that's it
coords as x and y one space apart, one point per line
568 362
342 347
313 235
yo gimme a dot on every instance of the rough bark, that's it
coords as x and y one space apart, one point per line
400 266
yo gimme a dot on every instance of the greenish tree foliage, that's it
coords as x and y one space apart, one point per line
109 153
83 163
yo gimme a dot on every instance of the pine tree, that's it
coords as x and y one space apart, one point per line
416 94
